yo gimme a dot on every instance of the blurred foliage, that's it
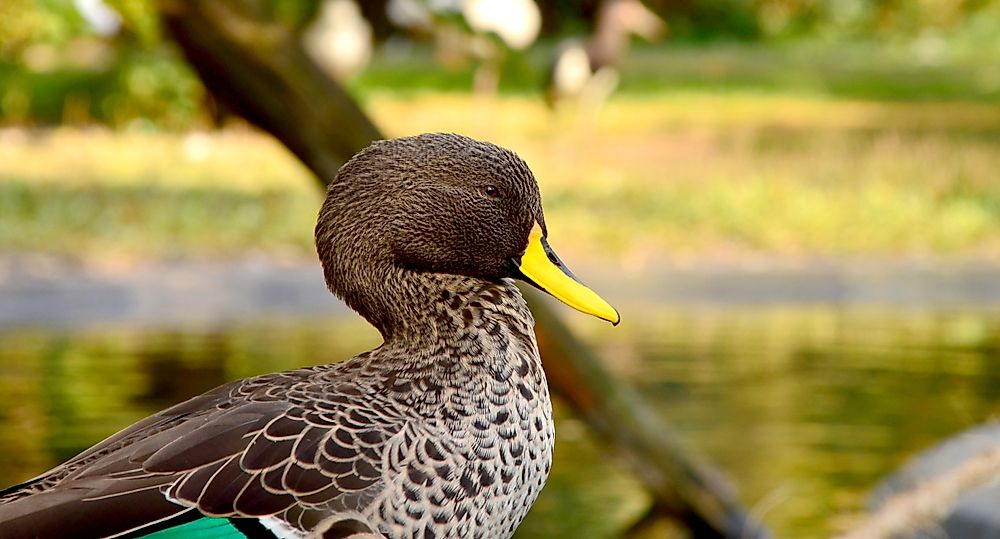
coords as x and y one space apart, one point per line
682 175
760 157
56 68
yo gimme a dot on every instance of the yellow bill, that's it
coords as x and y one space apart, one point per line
542 268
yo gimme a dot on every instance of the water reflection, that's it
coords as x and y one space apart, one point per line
805 408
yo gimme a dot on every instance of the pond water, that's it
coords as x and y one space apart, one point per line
805 408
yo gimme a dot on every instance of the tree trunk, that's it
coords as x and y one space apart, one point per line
258 70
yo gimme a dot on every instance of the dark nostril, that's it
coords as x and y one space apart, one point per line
550 254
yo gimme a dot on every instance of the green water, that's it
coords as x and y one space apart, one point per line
804 408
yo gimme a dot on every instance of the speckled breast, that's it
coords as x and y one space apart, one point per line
477 459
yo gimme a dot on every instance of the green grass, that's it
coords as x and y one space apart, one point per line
154 220
96 194
889 71
652 177
875 71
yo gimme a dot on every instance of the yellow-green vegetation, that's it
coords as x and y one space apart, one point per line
98 194
646 177
823 401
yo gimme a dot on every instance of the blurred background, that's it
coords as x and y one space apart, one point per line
794 203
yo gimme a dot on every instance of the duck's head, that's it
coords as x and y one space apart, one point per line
441 204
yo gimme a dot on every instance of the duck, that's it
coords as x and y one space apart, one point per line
444 430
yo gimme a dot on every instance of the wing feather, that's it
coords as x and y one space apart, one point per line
238 451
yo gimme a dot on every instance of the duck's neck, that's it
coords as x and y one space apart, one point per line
419 308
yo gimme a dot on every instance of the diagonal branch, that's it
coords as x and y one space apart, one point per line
258 69
682 484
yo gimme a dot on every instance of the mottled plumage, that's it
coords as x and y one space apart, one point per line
445 430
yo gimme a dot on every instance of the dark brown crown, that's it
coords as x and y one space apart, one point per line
432 203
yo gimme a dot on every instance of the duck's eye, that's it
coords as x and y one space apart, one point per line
491 191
